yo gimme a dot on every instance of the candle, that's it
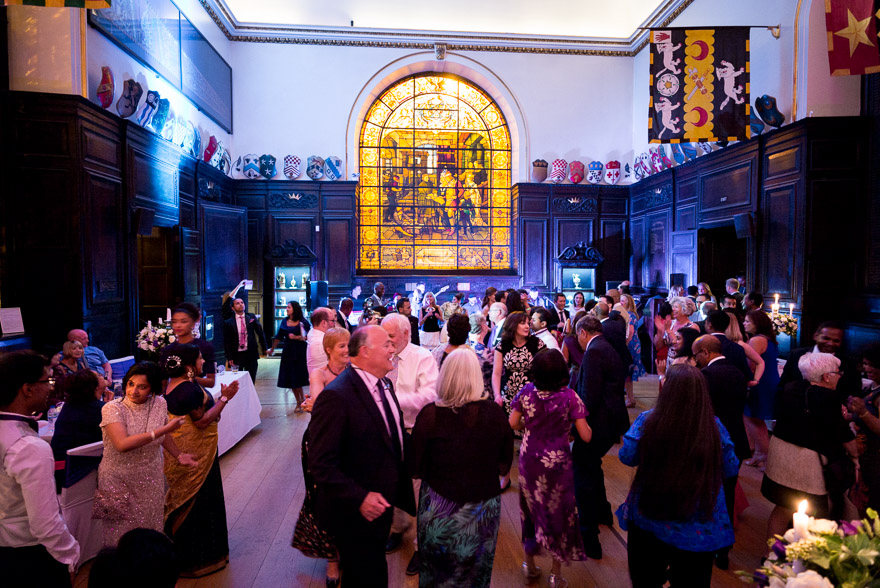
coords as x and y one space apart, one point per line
160 321
149 324
777 298
774 308
168 314
801 522
791 309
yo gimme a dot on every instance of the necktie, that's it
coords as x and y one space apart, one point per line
389 416
392 375
242 334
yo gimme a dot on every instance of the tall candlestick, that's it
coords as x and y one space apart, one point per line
801 522
168 315
774 308
791 309
160 321
149 324
777 298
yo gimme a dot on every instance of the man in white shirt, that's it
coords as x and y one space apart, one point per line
316 357
497 314
414 374
36 547
540 319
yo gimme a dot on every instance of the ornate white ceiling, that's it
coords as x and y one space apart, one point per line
587 27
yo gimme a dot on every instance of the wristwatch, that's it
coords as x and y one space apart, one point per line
224 400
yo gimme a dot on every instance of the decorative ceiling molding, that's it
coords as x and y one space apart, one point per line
455 41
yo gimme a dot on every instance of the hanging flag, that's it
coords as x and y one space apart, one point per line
699 85
852 37
60 3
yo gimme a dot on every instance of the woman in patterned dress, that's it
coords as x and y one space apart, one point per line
308 536
547 408
131 485
513 359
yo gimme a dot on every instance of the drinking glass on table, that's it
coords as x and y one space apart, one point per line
234 368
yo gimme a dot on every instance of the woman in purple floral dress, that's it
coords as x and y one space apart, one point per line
547 408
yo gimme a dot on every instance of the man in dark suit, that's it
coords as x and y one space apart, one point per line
404 307
343 312
728 392
558 312
614 329
828 338
716 323
356 454
241 336
600 386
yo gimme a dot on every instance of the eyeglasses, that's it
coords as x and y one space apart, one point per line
839 373
50 381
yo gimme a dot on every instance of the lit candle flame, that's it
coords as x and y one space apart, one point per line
802 507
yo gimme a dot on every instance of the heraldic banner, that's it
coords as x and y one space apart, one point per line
699 85
852 27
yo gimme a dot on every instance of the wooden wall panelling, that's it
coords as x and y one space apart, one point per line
638 252
105 240
336 262
299 227
212 184
534 252
683 255
686 217
153 179
728 187
657 228
256 235
781 257
612 243
192 264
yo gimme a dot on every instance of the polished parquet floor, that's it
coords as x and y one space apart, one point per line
263 484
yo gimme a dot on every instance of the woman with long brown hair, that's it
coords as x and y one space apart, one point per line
675 512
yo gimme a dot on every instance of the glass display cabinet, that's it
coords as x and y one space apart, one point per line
292 268
576 270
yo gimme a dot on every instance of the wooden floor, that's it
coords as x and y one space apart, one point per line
263 484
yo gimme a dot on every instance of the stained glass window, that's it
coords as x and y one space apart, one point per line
434 179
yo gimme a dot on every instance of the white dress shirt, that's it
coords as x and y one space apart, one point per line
29 510
316 357
548 339
376 390
416 385
496 333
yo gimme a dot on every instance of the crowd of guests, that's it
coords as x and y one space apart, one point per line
396 401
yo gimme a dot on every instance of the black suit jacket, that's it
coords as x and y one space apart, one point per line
850 383
728 389
555 323
614 330
600 386
255 335
736 355
414 330
350 455
341 321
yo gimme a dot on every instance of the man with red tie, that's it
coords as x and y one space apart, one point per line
242 336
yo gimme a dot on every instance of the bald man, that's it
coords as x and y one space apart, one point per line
96 359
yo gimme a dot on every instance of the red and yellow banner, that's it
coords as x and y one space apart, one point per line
699 85
852 36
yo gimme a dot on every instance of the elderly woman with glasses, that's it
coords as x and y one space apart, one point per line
810 432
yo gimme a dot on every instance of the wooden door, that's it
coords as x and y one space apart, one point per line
156 274
683 256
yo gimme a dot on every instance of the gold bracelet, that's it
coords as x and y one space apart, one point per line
152 435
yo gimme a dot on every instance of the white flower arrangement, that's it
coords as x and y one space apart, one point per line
152 339
784 324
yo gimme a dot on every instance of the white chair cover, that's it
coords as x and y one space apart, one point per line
76 507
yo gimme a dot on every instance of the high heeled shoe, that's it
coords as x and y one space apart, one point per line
530 574
756 460
555 581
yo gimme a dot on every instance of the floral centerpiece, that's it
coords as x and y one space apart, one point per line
784 324
153 338
820 553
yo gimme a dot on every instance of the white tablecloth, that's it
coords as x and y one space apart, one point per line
243 412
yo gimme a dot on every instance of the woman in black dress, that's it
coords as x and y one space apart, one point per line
184 318
293 372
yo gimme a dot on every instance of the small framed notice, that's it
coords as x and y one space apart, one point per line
10 321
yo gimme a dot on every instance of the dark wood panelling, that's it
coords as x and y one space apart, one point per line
686 190
780 271
299 228
534 205
339 203
686 218
784 161
533 260
44 138
105 246
727 188
256 248
683 255
101 150
569 231
838 154
224 243
337 237
614 206
192 263
657 227
831 260
154 184
612 245
637 260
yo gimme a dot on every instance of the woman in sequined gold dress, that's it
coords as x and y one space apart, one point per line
195 510
131 483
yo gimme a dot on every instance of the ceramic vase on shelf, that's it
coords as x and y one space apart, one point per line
280 280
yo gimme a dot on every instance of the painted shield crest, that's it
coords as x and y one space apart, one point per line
576 172
677 153
131 96
557 170
160 117
267 166
667 163
333 168
218 155
689 150
168 130
292 165
644 163
638 172
539 171
250 166
315 167
178 134
149 108
106 87
189 137
595 171
706 147
226 163
612 172
656 161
